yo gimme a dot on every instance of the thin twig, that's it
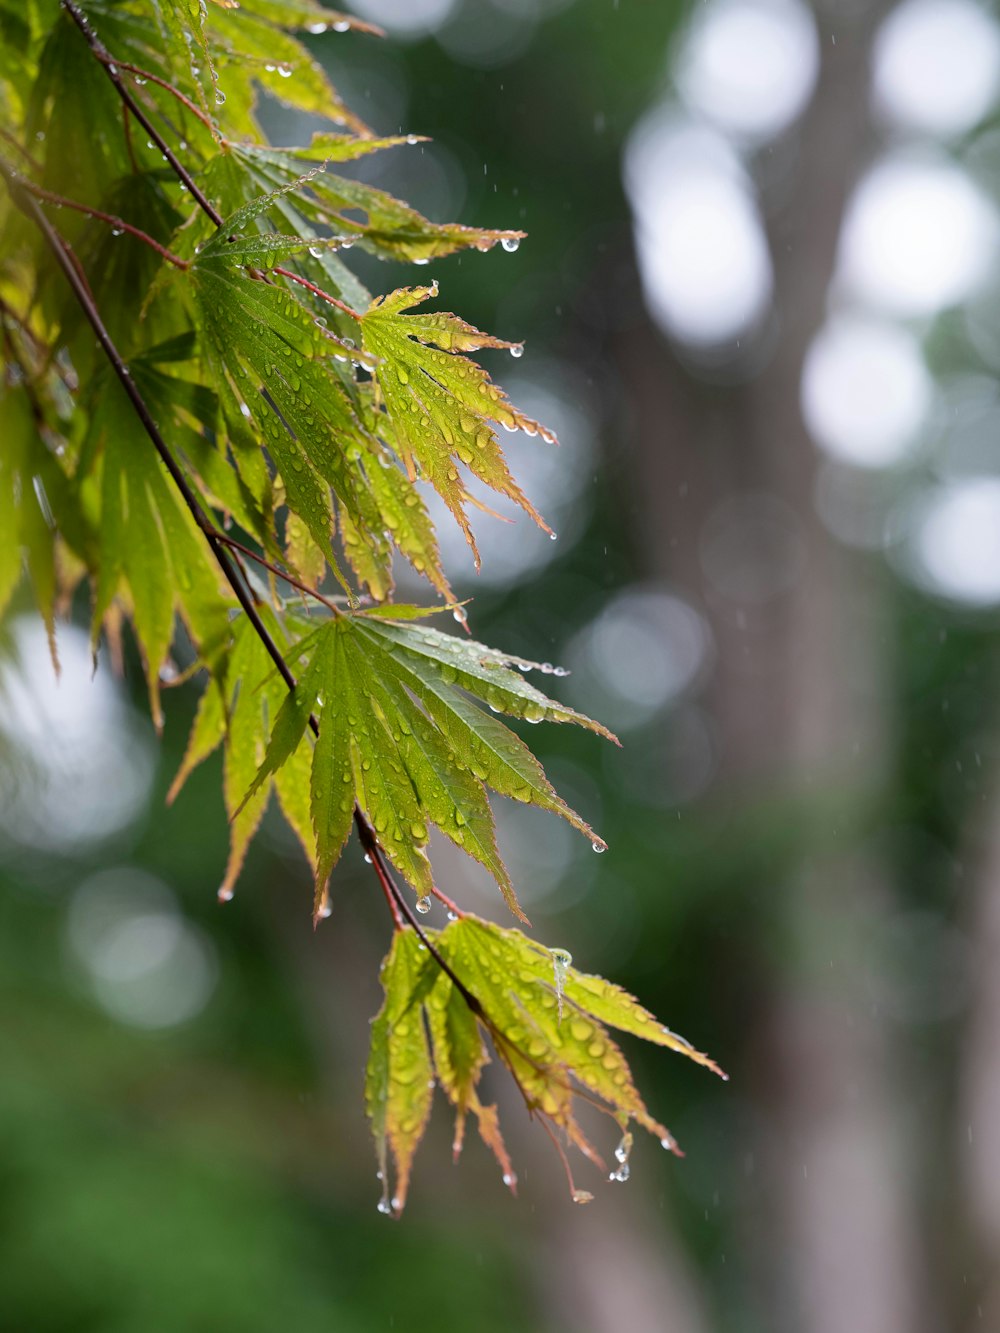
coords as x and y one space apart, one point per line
370 843
81 291
18 147
449 903
147 76
317 291
111 69
281 573
113 221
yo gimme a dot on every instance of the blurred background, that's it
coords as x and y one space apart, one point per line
761 306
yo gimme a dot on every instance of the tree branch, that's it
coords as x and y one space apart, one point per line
113 221
111 69
219 544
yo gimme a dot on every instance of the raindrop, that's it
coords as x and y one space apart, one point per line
553 536
510 243
599 847
452 916
384 1206
316 251
326 911
624 1148
582 1196
342 25
220 97
368 859
460 615
622 1174
317 28
285 71
116 231
561 960
225 895
423 905
139 82
112 69
517 350
509 1179
412 138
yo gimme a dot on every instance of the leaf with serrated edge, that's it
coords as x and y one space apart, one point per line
398 1078
440 404
418 750
547 1021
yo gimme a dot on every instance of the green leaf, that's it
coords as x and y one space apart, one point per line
281 377
441 406
238 708
398 1078
387 228
547 1021
412 747
149 545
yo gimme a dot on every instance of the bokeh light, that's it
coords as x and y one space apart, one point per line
918 236
865 390
643 651
76 762
702 255
954 549
146 965
936 65
749 65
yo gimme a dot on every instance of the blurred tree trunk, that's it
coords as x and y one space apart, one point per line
800 702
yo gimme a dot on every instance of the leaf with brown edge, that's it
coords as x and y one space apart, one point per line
459 1058
237 711
548 1023
404 740
398 1076
440 406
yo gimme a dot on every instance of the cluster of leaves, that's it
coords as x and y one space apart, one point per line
245 379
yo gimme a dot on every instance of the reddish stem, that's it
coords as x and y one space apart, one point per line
148 77
277 569
117 223
318 291
449 903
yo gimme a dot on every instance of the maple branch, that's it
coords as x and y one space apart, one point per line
147 76
113 221
102 53
18 147
317 291
370 843
277 569
219 544
29 205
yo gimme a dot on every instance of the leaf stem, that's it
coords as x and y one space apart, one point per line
449 903
28 205
111 69
277 569
370 843
149 77
317 291
7 137
219 543
113 221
